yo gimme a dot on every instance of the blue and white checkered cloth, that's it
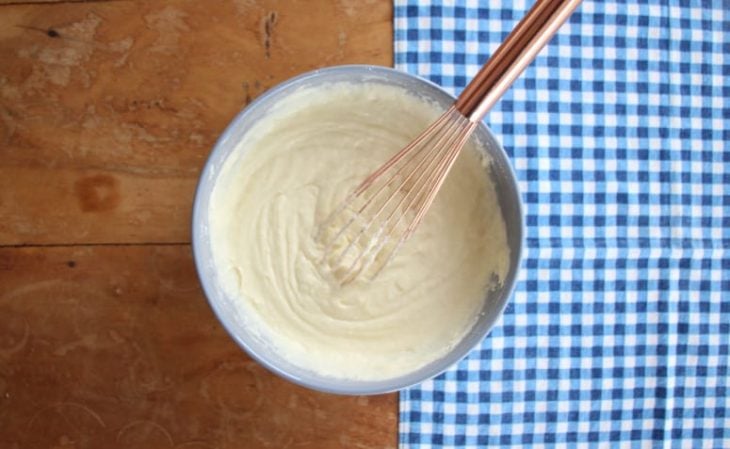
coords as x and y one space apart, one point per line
618 332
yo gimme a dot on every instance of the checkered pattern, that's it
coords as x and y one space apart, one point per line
618 332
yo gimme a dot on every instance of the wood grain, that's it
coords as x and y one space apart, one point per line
108 110
116 347
136 92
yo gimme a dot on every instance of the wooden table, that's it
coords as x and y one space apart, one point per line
108 110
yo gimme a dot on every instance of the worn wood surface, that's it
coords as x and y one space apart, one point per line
115 105
107 112
105 347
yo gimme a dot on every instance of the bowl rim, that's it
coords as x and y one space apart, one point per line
210 292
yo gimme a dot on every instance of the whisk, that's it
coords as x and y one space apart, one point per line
364 232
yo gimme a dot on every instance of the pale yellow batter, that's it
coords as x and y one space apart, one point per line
289 172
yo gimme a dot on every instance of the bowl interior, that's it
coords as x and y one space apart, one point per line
228 314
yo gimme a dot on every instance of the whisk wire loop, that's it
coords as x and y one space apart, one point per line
398 195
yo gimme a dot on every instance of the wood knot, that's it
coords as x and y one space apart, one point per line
97 193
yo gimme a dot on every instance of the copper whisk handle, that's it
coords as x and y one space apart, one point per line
513 56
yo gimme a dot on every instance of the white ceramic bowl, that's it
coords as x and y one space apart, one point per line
225 310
